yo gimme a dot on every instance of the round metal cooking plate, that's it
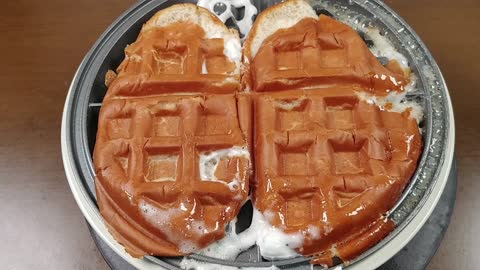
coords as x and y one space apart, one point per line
87 90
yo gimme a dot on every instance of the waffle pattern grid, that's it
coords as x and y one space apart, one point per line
151 149
326 159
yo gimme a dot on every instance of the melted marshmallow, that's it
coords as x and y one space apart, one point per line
232 49
209 162
160 218
290 105
204 68
382 47
399 104
273 243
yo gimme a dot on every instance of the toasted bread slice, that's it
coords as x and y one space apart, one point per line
173 103
211 24
290 47
159 44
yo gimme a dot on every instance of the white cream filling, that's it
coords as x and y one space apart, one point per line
398 102
160 218
272 242
208 163
204 67
232 49
289 105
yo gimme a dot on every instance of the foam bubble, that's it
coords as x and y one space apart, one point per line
157 216
199 227
186 246
235 184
